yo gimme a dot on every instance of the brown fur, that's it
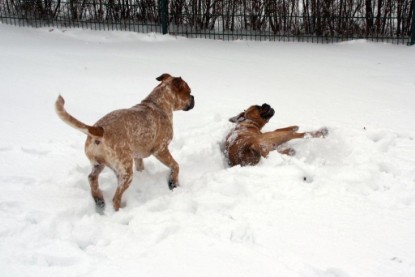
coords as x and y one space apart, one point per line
124 137
246 144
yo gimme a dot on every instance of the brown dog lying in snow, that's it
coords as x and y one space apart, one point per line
246 144
124 137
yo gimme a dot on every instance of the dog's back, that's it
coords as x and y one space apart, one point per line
137 132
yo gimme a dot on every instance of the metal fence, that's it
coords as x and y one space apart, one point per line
138 16
318 21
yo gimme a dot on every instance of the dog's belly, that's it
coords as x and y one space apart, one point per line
140 155
238 150
242 156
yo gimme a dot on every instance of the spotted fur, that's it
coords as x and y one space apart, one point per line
125 137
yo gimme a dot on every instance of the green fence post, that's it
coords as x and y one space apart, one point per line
412 42
164 15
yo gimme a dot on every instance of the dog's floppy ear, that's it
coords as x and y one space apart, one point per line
237 118
163 77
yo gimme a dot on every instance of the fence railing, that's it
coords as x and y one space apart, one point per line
287 20
139 16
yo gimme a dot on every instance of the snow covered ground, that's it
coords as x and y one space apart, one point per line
353 215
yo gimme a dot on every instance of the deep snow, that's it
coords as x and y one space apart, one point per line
353 215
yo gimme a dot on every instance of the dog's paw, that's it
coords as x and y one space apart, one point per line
324 132
321 133
172 185
99 202
291 152
287 151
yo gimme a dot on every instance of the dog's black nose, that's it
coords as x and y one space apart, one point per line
192 103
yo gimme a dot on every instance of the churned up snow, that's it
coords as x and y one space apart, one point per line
343 206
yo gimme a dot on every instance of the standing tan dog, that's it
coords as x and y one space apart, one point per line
246 144
124 137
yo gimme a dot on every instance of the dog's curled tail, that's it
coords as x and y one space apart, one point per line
94 131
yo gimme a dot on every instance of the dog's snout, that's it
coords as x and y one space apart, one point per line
191 104
266 111
265 106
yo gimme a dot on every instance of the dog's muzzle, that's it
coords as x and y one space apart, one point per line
191 105
266 111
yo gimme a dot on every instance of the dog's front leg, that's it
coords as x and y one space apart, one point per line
289 128
166 158
271 140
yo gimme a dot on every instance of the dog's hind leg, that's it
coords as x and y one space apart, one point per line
124 177
286 151
93 182
166 158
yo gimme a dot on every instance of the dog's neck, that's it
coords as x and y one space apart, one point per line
156 100
248 124
158 107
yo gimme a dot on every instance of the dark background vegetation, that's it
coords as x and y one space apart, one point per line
320 18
